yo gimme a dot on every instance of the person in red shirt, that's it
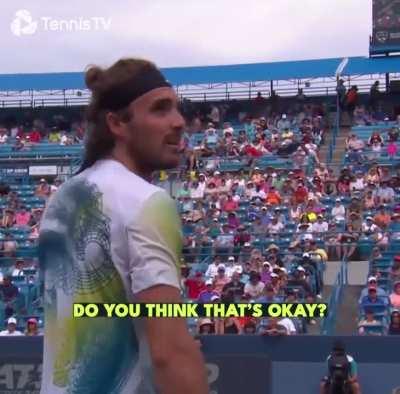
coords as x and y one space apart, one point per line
230 205
301 193
35 136
195 286
273 196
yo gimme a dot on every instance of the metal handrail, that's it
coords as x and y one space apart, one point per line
328 324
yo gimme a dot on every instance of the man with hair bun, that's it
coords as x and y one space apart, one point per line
110 236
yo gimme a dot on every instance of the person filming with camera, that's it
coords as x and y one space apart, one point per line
342 373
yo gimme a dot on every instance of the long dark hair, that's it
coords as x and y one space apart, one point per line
99 141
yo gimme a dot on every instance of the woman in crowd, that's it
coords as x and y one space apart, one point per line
394 326
32 327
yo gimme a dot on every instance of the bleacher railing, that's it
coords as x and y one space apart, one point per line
328 324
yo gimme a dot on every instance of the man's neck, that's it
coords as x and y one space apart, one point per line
132 166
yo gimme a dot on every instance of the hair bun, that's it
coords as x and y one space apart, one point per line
93 78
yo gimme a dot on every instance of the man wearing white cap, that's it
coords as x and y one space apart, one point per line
320 226
369 227
230 268
338 211
372 282
212 269
206 295
11 328
283 123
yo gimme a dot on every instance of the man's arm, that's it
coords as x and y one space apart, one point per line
178 364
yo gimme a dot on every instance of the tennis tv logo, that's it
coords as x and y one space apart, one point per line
24 24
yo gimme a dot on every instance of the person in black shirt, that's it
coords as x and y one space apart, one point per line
394 326
234 289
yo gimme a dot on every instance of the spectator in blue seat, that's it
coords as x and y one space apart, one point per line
8 218
368 226
225 241
54 135
212 269
43 189
272 327
32 328
372 282
394 226
384 194
268 296
369 320
395 296
9 246
372 298
273 256
8 294
254 288
249 328
394 326
394 274
206 327
233 290
11 328
18 269
221 279
292 297
266 273
298 279
22 217
206 296
3 135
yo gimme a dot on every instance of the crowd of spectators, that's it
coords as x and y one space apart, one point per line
261 232
27 134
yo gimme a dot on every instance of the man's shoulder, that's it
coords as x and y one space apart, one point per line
112 181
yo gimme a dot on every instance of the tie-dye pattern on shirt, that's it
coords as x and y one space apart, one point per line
88 355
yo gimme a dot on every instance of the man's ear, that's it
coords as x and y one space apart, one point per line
116 125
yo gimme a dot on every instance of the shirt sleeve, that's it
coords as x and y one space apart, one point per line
155 244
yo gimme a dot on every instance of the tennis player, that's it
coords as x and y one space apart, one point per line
110 236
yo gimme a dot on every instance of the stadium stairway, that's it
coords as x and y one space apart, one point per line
340 148
347 313
330 273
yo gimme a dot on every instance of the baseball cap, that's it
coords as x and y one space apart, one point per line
215 297
12 320
372 279
230 258
247 244
32 320
274 275
300 268
205 321
209 282
266 263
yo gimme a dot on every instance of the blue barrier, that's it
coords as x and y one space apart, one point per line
238 364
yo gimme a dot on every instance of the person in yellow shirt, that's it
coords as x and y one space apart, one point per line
54 136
